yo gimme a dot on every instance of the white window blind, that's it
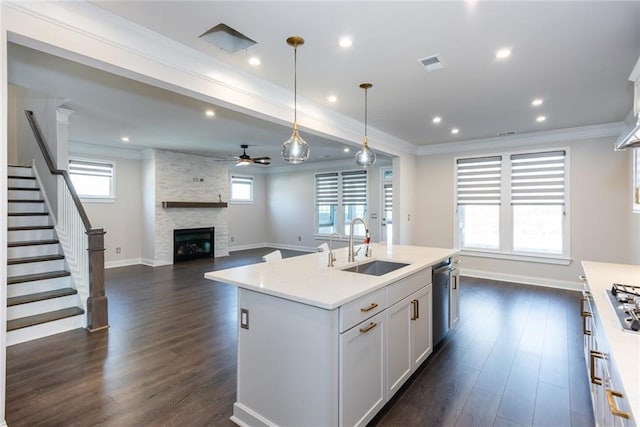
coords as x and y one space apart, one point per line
327 188
388 197
478 181
93 178
241 188
538 178
354 188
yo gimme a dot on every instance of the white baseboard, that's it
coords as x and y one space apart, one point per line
247 247
123 263
3 424
292 247
526 280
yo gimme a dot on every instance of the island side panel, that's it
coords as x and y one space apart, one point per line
287 363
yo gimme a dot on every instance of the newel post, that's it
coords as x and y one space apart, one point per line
97 315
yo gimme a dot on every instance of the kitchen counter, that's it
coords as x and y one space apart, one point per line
308 280
625 346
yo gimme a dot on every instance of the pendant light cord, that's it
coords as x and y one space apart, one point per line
295 84
365 112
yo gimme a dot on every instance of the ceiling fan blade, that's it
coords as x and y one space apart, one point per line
262 160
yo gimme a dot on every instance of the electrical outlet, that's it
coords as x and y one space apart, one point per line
233 238
118 250
195 179
299 238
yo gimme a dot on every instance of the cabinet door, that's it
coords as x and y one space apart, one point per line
362 371
454 298
421 325
399 355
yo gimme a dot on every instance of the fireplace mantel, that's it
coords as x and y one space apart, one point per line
194 204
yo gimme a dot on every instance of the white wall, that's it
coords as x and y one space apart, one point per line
600 213
248 221
148 177
122 219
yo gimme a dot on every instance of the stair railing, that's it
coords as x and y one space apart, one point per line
83 244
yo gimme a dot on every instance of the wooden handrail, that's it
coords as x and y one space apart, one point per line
97 313
54 171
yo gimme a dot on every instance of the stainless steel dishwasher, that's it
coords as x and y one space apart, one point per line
441 280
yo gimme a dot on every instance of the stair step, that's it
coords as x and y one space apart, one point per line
38 319
39 276
30 227
33 243
40 258
28 213
20 177
40 296
24 201
23 189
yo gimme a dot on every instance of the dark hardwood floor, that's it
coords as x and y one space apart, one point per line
169 358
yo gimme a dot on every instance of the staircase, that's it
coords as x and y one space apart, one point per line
41 296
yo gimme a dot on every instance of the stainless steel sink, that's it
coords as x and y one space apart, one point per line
376 268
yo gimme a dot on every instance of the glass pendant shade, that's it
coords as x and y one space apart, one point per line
365 157
295 150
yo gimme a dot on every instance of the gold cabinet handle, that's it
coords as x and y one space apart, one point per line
415 305
368 328
584 315
582 277
455 282
371 307
595 354
611 397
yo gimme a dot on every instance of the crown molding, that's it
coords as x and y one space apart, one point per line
533 138
104 40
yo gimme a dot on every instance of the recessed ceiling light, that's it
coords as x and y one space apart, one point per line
125 139
345 41
541 118
455 131
537 102
503 53
255 61
437 119
209 113
332 98
346 149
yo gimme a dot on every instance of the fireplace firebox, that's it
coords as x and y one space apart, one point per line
192 243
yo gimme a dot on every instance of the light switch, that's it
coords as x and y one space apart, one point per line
244 318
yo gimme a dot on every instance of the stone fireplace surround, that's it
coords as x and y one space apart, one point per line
189 178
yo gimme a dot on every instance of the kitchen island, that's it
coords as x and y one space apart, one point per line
611 353
321 346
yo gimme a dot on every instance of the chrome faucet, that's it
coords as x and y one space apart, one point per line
332 256
352 255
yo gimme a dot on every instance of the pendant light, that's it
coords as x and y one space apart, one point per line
295 150
365 157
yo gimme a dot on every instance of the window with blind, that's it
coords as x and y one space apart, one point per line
388 201
514 203
93 178
344 192
241 189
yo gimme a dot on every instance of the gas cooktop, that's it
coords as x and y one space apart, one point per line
625 301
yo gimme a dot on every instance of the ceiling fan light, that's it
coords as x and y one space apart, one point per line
295 150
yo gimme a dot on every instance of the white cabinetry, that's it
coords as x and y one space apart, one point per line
610 407
362 360
410 337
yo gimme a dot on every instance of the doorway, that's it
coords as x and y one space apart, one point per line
386 225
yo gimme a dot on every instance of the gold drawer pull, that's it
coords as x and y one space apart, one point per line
371 307
585 331
368 328
416 309
582 277
595 354
611 395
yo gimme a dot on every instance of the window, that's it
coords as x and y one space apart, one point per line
241 189
93 178
347 190
513 204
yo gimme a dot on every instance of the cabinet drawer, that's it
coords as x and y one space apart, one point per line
405 287
361 309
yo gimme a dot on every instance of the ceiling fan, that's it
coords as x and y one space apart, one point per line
244 159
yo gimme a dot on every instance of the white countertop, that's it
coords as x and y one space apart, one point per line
308 280
625 346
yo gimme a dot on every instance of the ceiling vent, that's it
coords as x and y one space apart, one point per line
507 133
431 63
226 38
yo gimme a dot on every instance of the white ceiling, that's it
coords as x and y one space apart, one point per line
576 55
